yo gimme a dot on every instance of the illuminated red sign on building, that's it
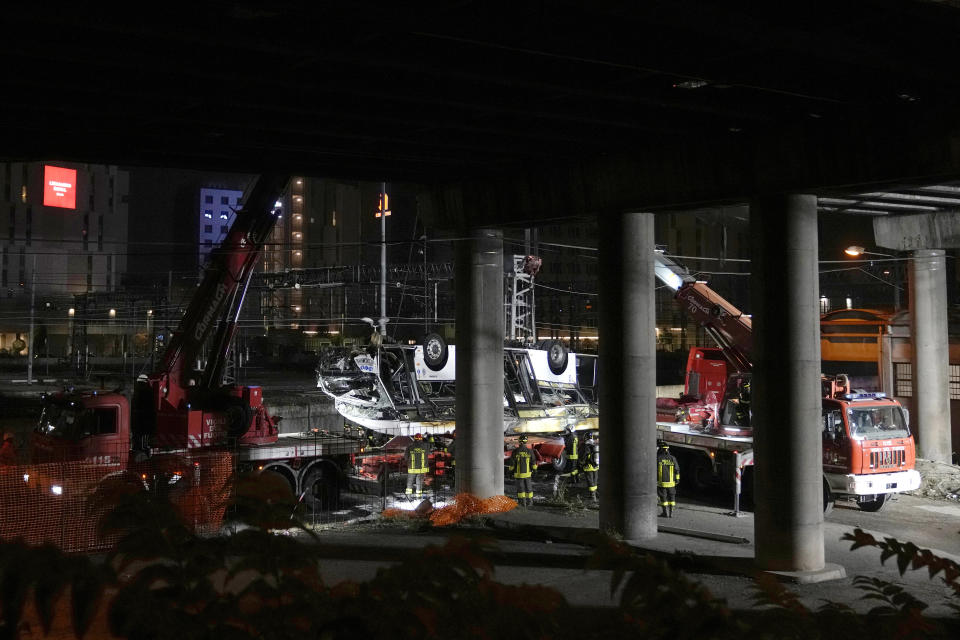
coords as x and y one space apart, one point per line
59 187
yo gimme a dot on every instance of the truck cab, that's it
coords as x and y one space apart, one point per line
83 427
868 450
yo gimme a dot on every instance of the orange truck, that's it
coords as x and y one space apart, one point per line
868 450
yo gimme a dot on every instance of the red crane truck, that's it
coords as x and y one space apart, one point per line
179 412
868 451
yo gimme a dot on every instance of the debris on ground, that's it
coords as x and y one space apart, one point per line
938 480
464 505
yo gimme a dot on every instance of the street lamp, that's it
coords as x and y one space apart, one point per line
855 251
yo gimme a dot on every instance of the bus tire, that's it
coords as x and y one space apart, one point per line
556 356
435 351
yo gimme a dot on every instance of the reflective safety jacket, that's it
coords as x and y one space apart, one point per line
668 471
522 462
572 445
417 458
591 458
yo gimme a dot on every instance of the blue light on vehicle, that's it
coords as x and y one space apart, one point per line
865 396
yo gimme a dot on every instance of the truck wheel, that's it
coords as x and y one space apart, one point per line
321 488
435 351
560 462
828 498
701 474
872 503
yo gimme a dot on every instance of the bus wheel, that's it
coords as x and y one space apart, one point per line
828 498
435 351
872 503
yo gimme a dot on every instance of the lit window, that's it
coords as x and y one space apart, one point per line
224 215
208 213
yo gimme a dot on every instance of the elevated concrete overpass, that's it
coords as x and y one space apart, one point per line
507 113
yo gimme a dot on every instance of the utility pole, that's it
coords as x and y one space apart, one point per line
382 212
33 289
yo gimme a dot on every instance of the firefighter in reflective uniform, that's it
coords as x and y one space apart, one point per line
591 464
744 412
571 444
522 463
416 457
668 475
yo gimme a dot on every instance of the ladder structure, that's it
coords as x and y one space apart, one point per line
520 306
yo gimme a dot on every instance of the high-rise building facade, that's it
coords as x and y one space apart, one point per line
218 209
63 233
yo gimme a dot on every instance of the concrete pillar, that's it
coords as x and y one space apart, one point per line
928 324
786 384
479 353
628 377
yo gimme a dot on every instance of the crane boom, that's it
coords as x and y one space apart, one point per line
729 327
224 282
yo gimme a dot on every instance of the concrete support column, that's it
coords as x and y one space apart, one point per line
479 368
628 377
786 384
931 367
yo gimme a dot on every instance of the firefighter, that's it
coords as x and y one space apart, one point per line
591 465
522 463
744 412
8 450
571 443
668 475
449 447
416 457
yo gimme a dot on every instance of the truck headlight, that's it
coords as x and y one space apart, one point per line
56 490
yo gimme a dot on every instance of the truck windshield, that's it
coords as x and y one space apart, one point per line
60 421
877 422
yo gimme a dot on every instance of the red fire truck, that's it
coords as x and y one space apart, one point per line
868 451
178 412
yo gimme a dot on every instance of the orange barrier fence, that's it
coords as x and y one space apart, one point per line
55 502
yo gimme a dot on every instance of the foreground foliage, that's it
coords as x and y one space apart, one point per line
163 582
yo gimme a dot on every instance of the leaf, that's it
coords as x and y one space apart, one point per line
87 588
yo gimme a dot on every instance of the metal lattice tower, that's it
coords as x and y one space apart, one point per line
521 317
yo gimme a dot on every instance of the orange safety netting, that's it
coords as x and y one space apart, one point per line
56 502
464 505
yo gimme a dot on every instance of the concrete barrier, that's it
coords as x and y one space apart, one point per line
303 414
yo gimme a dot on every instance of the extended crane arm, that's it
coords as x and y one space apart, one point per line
727 325
225 280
